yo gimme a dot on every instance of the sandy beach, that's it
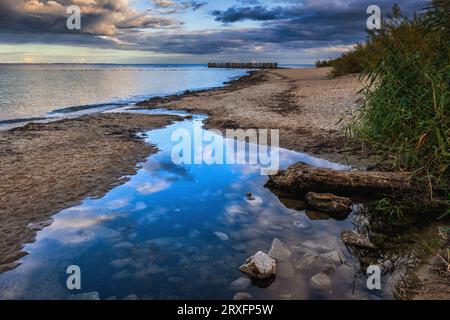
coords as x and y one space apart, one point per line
306 106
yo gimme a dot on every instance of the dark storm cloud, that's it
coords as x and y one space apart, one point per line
287 24
99 17
318 10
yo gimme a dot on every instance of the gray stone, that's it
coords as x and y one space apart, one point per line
355 239
320 281
276 228
333 256
222 236
240 284
285 269
317 246
85 296
121 263
300 225
259 266
131 297
242 296
280 251
239 247
328 202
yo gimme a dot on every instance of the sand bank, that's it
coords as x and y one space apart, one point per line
48 167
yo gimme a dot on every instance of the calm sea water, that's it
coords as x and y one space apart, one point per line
33 91
182 231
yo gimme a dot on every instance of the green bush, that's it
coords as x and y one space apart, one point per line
406 111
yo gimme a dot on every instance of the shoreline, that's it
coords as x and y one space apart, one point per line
308 108
54 165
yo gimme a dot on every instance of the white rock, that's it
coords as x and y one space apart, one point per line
259 266
279 250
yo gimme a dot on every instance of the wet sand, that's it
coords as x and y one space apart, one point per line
306 106
48 167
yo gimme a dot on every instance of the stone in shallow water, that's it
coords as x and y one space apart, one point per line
315 215
85 296
239 247
355 239
279 250
328 202
316 246
320 281
222 236
276 228
259 266
333 256
285 269
300 225
240 284
121 263
242 296
249 196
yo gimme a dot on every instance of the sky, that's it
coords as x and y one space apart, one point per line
185 31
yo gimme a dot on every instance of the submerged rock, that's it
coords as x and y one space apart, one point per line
320 281
285 270
242 296
315 215
279 250
222 236
259 266
249 196
328 202
131 297
333 256
240 284
85 296
352 238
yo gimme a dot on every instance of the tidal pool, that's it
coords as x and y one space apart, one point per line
182 231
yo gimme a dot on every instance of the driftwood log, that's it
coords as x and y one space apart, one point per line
303 178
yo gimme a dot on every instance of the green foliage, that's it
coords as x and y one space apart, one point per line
405 67
388 207
323 63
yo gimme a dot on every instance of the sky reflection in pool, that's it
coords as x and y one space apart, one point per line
157 237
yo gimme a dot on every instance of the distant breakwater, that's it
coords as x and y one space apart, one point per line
244 65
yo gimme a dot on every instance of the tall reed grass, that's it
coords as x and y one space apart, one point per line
405 68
